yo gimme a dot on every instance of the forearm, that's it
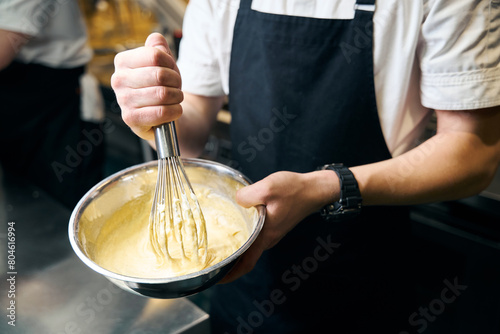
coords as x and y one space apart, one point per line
459 161
193 127
448 166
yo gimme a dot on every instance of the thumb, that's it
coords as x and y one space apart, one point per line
158 41
248 196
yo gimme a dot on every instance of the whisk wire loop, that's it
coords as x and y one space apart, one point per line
177 226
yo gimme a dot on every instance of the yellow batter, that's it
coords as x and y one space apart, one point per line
123 245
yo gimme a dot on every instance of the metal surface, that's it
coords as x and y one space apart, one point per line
166 141
109 195
55 293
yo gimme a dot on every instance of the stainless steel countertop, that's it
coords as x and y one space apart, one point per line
55 293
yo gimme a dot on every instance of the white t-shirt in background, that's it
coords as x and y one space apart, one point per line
59 37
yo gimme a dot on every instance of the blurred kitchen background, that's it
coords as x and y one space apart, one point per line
457 243
118 25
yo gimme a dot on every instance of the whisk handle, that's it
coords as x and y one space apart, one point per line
166 141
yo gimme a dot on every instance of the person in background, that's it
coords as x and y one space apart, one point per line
327 83
44 92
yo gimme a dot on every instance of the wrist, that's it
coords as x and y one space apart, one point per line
324 187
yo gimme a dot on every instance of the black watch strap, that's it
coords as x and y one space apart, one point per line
349 205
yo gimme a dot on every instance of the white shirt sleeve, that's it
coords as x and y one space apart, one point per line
460 54
27 17
205 47
197 62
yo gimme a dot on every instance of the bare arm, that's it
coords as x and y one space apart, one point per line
459 161
10 44
199 115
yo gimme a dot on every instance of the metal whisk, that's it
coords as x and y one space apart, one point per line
176 225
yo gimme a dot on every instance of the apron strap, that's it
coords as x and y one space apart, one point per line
365 5
246 4
365 2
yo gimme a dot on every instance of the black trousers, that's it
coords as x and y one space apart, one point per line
42 137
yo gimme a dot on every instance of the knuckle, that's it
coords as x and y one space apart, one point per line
176 80
119 61
159 112
123 99
156 56
167 95
167 77
128 117
162 94
160 76
166 113
178 110
116 81
181 96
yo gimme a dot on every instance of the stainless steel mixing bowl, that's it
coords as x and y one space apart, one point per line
108 196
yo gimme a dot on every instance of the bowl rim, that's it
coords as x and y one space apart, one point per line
95 190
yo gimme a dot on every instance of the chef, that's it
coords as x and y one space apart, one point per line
328 100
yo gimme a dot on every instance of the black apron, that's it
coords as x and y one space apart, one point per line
302 95
42 137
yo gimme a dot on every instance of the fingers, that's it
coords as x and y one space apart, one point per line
251 195
156 40
143 108
147 85
142 120
246 262
154 53
146 77
281 194
144 57
247 197
151 96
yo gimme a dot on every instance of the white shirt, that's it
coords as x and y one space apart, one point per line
428 54
59 37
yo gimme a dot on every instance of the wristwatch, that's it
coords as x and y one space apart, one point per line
349 205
